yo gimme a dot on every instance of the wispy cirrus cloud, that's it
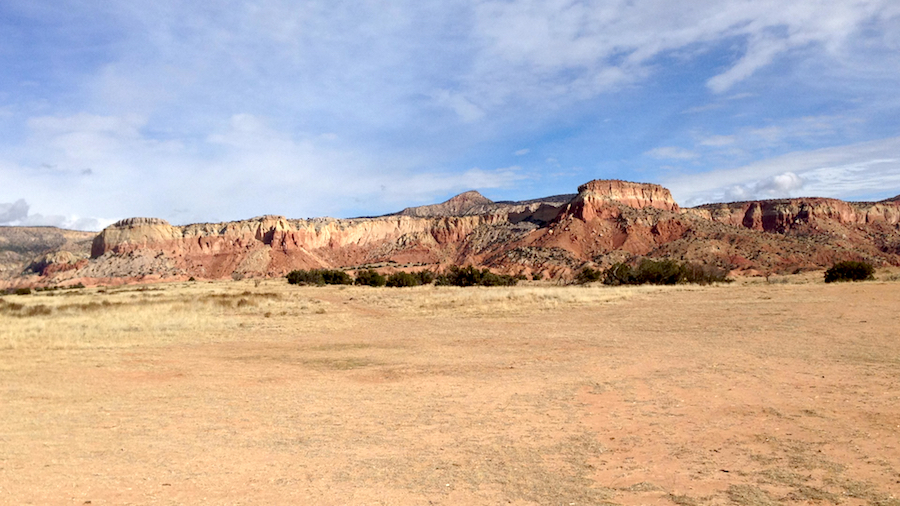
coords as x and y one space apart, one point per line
867 171
672 153
211 111
245 160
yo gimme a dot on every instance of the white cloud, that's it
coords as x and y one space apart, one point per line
17 214
717 140
760 52
672 153
593 46
424 186
783 185
245 168
522 152
13 211
208 111
864 170
467 111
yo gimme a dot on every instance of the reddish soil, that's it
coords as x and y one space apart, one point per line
753 395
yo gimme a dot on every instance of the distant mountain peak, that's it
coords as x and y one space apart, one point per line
456 206
470 197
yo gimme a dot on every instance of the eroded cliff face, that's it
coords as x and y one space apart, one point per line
606 222
274 245
784 215
601 199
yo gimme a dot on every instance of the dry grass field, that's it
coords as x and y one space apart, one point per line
265 393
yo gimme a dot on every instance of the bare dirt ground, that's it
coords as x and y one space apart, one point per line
245 393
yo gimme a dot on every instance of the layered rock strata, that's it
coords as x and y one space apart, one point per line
607 221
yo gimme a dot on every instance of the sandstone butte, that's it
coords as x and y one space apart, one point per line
605 222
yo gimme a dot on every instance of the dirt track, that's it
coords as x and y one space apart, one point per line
752 395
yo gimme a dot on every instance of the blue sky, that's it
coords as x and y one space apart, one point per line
227 110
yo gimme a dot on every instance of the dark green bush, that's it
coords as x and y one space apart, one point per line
588 275
470 276
302 277
660 272
370 277
336 277
663 272
22 291
850 271
704 274
425 277
459 276
619 273
402 278
319 277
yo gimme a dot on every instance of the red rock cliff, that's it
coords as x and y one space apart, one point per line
607 221
601 198
783 215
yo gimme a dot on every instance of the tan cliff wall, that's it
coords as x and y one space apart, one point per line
274 244
785 214
599 199
607 221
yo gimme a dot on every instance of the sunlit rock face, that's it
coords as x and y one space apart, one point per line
605 222
781 215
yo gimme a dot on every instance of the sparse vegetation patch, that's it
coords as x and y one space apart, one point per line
470 276
370 277
319 277
454 276
661 272
850 271
401 279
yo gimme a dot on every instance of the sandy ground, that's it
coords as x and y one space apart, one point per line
243 393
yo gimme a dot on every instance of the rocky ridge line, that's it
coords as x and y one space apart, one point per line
606 221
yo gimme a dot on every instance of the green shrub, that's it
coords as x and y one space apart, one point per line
425 277
336 277
319 277
470 276
22 291
459 276
619 273
370 277
663 272
850 271
704 274
302 277
402 279
588 275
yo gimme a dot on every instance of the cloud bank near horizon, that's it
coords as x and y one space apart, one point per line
226 111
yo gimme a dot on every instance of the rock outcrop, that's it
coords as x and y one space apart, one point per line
606 222
459 205
600 199
636 195
783 215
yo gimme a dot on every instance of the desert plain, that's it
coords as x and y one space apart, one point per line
258 392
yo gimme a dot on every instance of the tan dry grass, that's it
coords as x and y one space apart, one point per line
140 316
